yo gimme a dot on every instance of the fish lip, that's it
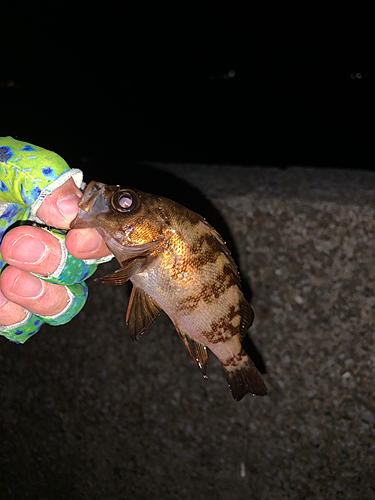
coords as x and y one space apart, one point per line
73 222
91 192
80 221
86 215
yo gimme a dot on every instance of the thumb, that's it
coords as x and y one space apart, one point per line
61 206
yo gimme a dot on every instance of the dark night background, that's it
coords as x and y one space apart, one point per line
266 84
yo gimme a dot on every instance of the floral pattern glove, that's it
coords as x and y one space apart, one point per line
28 174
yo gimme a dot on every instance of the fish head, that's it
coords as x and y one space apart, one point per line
126 218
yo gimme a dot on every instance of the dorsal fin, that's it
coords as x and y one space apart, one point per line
142 312
223 247
247 317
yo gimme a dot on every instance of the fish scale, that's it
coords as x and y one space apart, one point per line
177 263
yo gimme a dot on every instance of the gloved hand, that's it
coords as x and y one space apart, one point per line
43 281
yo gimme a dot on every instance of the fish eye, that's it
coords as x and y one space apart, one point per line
124 200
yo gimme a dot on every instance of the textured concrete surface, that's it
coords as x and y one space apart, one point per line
87 414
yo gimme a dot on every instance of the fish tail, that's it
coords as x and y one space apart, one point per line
243 377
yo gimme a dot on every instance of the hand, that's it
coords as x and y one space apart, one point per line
29 249
44 281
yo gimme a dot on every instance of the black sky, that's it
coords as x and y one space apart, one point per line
154 80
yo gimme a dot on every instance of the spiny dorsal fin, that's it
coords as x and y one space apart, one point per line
122 275
196 350
247 318
142 312
223 247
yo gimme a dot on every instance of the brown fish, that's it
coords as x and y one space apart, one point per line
179 263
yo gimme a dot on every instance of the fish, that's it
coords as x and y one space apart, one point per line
178 263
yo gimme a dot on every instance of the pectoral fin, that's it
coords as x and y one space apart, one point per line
123 252
122 275
142 312
196 350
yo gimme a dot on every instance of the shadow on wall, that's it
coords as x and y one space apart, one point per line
152 180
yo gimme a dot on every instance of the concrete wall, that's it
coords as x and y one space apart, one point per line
85 413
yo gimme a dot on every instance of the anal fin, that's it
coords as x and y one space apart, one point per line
196 350
142 312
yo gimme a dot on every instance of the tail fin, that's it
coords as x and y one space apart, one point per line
243 378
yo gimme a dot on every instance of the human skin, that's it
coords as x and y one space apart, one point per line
30 249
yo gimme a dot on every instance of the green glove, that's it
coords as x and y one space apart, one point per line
28 174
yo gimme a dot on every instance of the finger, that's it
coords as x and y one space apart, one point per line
10 313
31 249
32 293
86 244
61 206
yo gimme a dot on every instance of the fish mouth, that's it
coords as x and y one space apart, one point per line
92 203
90 195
